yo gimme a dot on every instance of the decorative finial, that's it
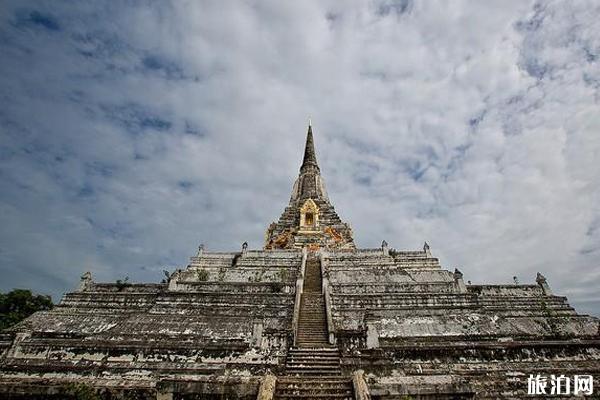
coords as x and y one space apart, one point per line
540 279
384 248
86 281
458 279
543 283
200 250
426 249
309 121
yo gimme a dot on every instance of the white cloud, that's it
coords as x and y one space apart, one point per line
131 133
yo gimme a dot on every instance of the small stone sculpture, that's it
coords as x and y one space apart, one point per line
86 281
426 249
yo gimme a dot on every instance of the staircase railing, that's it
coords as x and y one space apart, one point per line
326 294
266 390
299 289
361 390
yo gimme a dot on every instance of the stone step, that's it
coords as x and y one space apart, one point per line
329 393
313 325
317 356
315 328
317 381
313 396
287 389
313 334
312 329
326 349
320 371
313 357
315 352
313 338
332 391
304 384
314 363
316 371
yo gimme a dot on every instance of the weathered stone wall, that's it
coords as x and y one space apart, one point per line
220 324
226 314
419 331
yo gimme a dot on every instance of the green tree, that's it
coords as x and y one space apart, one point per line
18 304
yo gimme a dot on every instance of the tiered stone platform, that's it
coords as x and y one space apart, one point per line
417 329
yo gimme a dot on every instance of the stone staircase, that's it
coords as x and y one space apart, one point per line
333 387
313 368
313 362
312 321
314 373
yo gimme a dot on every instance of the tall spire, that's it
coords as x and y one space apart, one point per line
309 219
310 158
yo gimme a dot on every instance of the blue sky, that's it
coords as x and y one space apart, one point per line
130 132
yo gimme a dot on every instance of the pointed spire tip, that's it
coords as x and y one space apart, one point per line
310 158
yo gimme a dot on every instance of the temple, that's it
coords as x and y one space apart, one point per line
308 316
309 220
